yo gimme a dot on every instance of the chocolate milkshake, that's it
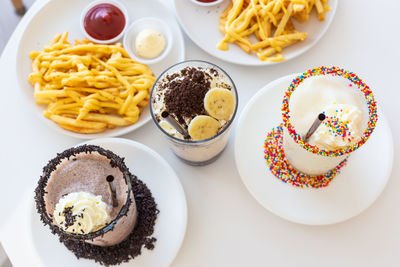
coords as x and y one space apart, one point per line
194 103
75 196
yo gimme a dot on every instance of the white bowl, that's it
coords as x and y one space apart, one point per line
207 4
95 3
147 23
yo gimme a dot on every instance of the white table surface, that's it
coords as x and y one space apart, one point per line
226 226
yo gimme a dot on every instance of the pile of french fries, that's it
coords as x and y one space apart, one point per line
89 87
268 23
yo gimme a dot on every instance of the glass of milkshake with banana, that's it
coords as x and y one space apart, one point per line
193 103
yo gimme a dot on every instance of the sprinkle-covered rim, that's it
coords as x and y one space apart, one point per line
333 71
280 167
115 162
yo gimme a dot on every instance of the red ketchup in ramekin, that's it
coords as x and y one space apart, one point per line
104 21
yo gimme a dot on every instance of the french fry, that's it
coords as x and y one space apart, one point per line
81 130
109 119
289 38
284 20
77 123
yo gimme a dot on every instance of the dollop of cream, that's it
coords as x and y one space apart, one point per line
340 129
81 213
150 43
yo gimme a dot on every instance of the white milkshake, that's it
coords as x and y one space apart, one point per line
346 112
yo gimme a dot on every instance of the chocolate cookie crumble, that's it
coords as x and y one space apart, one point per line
69 217
184 97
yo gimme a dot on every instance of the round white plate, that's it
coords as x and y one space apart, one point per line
57 16
201 24
352 191
167 191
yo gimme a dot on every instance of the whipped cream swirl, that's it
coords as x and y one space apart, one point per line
340 129
81 213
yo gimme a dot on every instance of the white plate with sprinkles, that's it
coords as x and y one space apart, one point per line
350 192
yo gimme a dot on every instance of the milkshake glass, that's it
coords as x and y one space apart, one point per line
316 158
88 169
194 152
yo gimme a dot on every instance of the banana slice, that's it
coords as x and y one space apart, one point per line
219 103
203 127
169 129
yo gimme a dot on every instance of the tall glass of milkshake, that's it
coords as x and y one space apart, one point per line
193 103
350 116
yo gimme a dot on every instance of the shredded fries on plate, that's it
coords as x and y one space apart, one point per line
265 27
89 87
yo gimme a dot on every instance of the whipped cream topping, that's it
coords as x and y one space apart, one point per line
343 105
341 128
81 213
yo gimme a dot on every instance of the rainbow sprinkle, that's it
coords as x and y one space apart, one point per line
338 127
281 168
355 80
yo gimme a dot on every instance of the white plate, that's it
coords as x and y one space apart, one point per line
352 191
48 21
201 24
165 186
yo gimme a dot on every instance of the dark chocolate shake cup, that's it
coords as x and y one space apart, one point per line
75 197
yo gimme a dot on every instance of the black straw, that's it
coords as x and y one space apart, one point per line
111 184
321 117
174 123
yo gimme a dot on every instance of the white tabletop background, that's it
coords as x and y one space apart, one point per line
226 226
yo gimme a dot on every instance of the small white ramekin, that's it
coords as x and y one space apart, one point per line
95 3
147 23
207 4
